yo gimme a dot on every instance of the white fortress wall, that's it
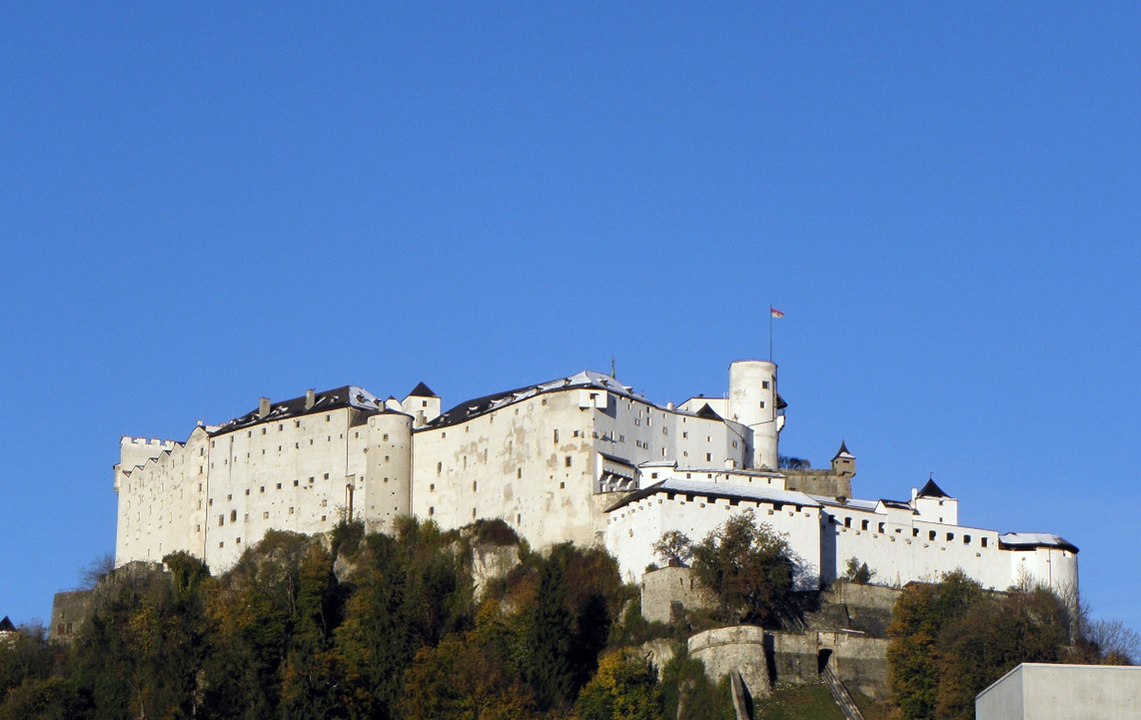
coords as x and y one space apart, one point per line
384 491
900 549
288 474
530 463
636 526
157 499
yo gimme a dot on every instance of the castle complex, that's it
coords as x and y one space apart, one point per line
582 458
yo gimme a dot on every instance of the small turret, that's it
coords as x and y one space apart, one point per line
934 505
844 462
422 404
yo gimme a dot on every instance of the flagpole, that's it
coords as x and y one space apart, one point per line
770 334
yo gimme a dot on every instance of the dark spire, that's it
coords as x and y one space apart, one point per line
422 390
843 450
931 490
708 413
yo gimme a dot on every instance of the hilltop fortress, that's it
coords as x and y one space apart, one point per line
582 458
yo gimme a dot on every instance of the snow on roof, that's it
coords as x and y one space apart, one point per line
585 379
347 396
719 490
1033 540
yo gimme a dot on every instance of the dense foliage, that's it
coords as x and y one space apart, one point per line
352 626
748 566
950 640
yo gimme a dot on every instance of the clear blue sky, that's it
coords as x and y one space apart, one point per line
204 203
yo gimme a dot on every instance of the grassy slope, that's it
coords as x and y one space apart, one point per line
799 702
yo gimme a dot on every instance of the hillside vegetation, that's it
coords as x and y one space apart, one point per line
395 627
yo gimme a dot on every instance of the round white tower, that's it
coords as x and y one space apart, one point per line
388 484
753 403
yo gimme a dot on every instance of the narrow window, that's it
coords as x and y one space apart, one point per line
568 461
233 516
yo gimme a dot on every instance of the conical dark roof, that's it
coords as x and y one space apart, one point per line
932 490
6 625
708 413
843 450
422 390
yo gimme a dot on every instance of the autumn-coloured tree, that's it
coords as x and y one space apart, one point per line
624 688
748 566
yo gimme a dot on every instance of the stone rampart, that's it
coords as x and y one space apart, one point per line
818 482
858 660
867 608
740 648
667 593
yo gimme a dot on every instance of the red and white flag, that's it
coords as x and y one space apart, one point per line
773 312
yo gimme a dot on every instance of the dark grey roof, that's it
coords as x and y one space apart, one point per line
843 450
932 490
472 408
6 625
342 397
708 413
422 390
781 404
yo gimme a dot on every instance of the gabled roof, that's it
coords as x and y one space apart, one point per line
6 625
422 390
342 397
932 490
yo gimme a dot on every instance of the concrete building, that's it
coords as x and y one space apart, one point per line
582 458
1036 691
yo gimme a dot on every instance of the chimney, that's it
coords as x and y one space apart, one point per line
310 398
263 407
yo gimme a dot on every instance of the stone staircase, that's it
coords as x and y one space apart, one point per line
840 694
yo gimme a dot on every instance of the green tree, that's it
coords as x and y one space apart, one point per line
993 636
549 637
674 547
377 641
748 566
913 653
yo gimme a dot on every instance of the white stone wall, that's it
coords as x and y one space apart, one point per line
900 548
530 463
634 528
216 495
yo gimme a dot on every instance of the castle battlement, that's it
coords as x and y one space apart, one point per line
148 442
582 458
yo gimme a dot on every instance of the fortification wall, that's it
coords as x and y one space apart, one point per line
634 528
900 552
667 593
818 482
740 648
858 660
160 502
69 611
530 463
215 495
